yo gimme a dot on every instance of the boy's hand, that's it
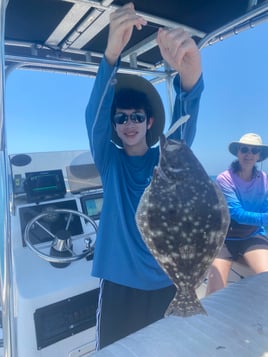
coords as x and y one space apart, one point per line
181 53
122 22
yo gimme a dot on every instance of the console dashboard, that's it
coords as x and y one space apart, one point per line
44 183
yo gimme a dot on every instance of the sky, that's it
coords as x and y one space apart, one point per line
46 111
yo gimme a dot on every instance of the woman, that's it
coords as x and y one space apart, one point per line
246 191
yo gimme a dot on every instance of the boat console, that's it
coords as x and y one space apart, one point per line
56 205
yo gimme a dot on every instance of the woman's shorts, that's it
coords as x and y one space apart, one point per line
233 249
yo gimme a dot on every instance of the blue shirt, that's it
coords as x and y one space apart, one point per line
247 200
121 255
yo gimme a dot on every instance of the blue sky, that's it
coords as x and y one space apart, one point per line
45 111
235 100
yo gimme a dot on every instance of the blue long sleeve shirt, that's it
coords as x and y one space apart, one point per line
121 255
247 200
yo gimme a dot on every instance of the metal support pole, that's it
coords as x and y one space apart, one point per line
5 241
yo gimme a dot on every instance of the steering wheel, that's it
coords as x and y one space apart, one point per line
61 248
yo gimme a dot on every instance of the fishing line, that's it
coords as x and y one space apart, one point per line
182 119
182 136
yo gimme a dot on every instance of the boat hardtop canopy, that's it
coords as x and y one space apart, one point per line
71 35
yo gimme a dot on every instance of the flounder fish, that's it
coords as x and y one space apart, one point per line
183 218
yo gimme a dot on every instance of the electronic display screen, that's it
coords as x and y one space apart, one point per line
44 185
92 205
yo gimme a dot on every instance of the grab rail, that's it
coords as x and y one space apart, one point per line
5 241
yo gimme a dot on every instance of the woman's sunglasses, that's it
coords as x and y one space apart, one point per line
135 117
252 150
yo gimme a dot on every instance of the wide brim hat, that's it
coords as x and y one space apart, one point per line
249 139
132 81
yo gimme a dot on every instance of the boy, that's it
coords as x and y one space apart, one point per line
134 291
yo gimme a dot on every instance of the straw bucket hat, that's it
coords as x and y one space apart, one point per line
130 81
249 139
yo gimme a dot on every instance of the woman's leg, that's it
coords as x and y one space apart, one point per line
257 260
218 275
219 270
255 253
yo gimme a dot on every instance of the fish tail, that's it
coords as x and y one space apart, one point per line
185 305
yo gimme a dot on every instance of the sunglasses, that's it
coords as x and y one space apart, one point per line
135 117
246 150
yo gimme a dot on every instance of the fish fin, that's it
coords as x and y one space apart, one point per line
185 305
177 124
